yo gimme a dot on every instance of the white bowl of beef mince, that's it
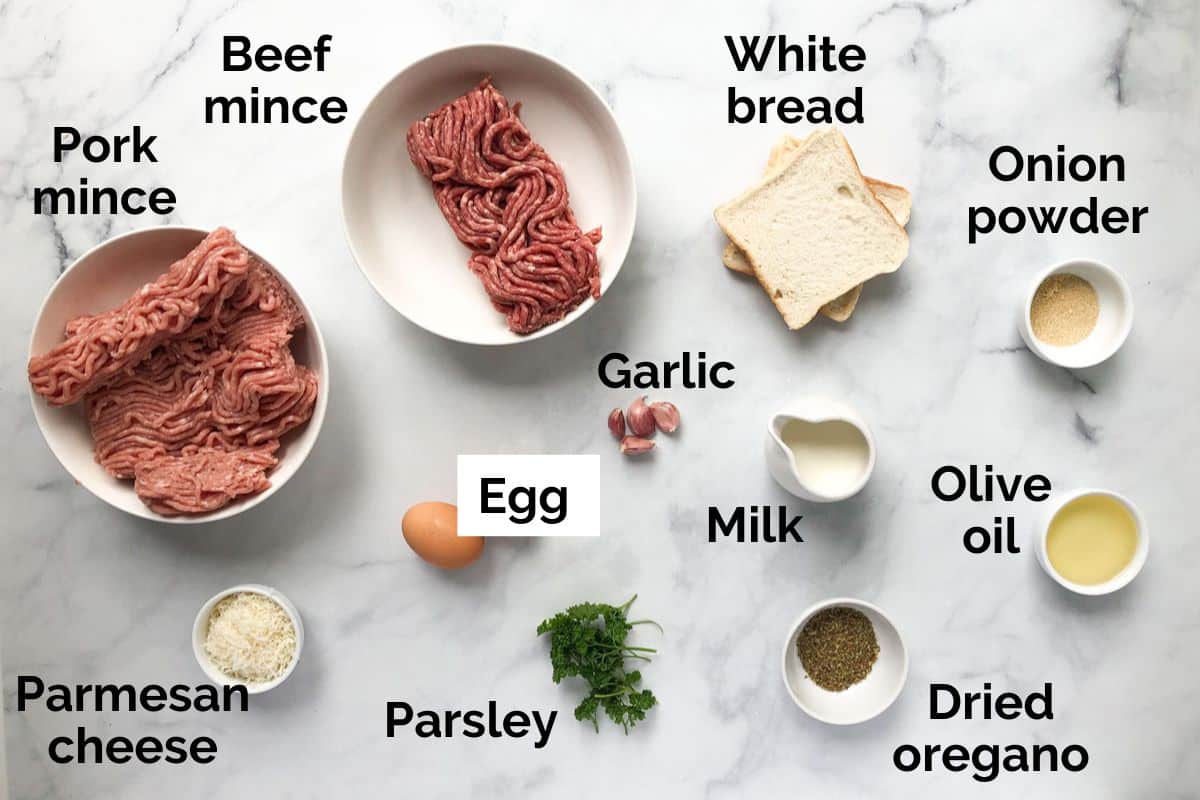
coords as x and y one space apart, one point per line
396 231
101 280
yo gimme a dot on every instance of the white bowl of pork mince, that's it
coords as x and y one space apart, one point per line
397 234
103 278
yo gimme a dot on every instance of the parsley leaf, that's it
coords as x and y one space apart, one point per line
588 641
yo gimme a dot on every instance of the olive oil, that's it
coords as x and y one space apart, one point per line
1091 539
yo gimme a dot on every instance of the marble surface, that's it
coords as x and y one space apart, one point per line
932 358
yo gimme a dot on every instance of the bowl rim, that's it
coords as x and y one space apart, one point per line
201 622
627 168
1127 573
237 507
851 602
1056 355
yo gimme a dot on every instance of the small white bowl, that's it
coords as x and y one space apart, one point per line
1117 581
1112 326
102 279
862 701
200 630
398 236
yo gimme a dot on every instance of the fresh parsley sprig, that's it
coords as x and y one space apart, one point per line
589 641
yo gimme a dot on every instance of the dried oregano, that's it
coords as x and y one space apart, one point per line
837 648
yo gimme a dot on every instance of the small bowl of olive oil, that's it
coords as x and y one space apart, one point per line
1093 542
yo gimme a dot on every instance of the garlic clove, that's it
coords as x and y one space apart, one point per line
616 423
641 419
666 416
636 445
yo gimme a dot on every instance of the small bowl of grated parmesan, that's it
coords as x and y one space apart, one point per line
250 635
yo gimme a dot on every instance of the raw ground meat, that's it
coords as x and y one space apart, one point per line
507 201
202 481
99 347
193 413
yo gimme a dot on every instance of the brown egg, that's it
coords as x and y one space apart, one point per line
431 530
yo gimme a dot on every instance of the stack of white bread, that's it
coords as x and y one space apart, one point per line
815 228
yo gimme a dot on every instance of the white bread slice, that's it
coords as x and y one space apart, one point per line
841 307
896 199
784 148
813 230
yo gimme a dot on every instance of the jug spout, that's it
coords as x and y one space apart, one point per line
779 456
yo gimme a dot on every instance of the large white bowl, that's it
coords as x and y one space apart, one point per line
396 232
864 700
102 279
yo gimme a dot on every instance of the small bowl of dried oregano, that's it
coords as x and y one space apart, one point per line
844 661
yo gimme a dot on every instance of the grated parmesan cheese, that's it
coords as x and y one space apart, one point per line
250 638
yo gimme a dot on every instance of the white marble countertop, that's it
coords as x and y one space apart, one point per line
932 358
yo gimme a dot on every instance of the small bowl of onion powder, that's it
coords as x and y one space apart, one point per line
1077 314
249 635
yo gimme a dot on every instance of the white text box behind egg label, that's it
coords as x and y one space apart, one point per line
529 495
